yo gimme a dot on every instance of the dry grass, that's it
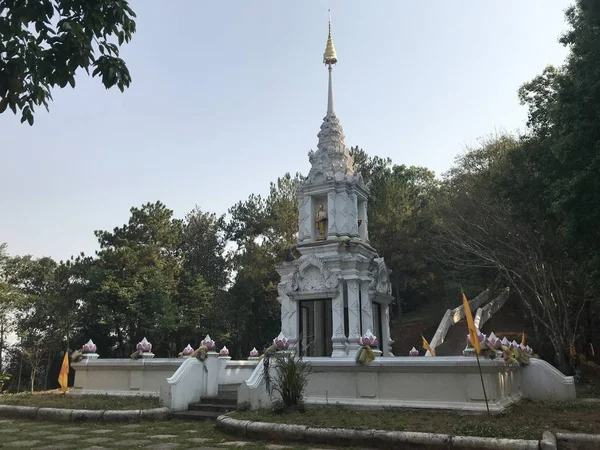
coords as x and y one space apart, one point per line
526 420
55 399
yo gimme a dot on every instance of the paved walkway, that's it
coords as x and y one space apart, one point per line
166 435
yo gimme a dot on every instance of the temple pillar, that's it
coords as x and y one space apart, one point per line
364 226
353 215
366 307
337 318
318 343
353 316
386 342
331 216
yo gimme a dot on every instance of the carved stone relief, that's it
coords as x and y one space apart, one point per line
381 278
313 274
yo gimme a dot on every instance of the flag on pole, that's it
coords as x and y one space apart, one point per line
427 347
472 331
63 376
523 339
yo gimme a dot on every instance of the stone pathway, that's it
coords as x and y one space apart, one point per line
165 435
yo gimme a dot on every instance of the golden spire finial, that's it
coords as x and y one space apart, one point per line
329 57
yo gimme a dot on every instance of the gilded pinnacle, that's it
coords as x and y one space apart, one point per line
329 57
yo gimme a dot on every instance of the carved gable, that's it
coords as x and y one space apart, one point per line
381 277
313 274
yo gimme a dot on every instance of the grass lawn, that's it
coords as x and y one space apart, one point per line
526 420
166 434
55 399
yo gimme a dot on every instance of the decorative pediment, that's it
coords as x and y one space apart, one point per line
314 275
381 277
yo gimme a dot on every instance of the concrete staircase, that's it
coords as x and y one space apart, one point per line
213 407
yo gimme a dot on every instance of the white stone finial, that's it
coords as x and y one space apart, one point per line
413 352
188 350
254 352
224 351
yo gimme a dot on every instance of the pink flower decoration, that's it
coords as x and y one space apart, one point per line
144 346
90 347
208 343
281 342
368 339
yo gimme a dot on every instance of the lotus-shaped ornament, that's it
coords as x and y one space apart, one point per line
90 347
144 346
208 343
413 352
281 342
368 339
224 351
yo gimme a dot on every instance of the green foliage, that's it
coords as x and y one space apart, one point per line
4 377
291 377
43 43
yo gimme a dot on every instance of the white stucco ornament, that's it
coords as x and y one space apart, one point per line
90 347
254 353
281 342
144 346
368 339
224 351
208 343
413 352
188 350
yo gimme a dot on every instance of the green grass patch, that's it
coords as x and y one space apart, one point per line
55 399
526 420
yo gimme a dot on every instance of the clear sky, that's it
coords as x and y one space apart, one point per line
227 96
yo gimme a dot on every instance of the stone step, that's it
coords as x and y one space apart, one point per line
220 400
218 407
227 388
196 415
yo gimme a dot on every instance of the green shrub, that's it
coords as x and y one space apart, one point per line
291 376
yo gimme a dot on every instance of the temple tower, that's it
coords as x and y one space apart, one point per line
338 288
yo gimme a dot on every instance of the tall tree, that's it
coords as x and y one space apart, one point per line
43 43
133 283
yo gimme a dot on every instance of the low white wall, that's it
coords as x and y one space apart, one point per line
178 381
123 376
236 371
403 382
451 383
542 381
186 385
484 314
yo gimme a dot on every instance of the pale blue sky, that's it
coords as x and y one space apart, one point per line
227 96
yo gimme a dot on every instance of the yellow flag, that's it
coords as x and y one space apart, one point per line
523 339
63 376
471 325
426 346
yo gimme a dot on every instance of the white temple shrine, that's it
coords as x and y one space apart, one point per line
335 294
338 289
